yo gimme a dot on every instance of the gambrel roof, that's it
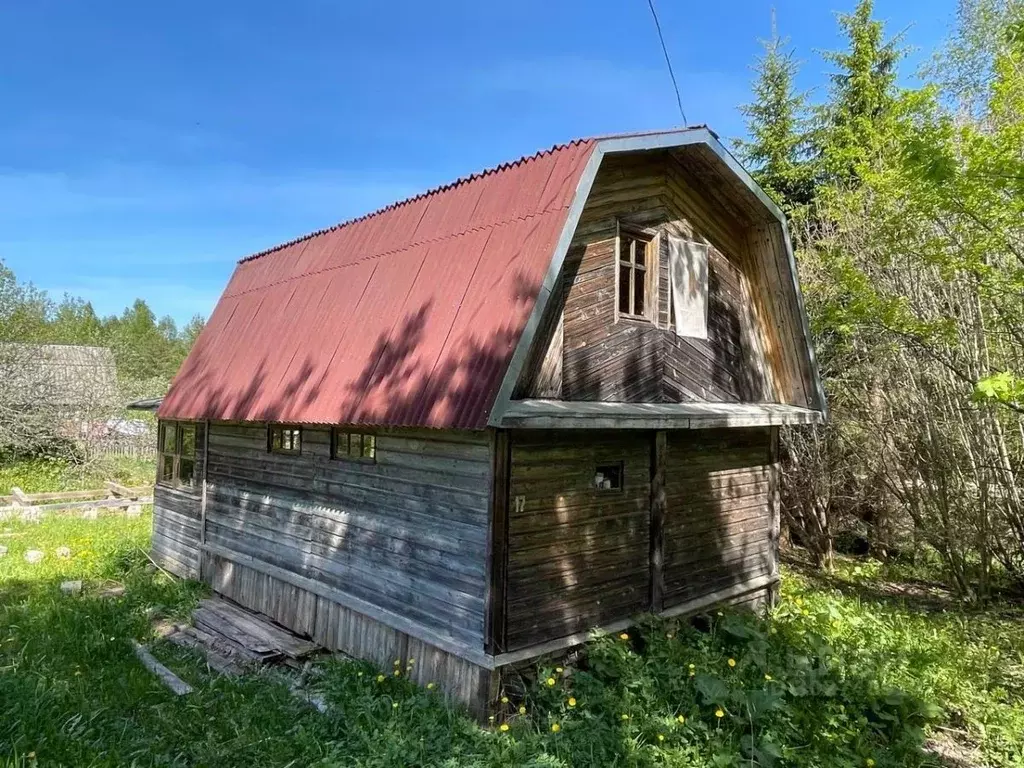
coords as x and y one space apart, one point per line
420 314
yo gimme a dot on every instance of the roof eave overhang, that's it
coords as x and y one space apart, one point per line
656 141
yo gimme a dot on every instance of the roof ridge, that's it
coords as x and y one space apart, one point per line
427 193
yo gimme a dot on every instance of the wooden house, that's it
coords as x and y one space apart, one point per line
473 426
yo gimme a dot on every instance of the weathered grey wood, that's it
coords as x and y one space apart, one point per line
168 678
658 507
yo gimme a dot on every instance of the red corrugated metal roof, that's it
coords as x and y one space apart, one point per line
405 317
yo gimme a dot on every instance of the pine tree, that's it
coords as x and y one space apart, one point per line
776 122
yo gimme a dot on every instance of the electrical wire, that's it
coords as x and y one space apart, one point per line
661 37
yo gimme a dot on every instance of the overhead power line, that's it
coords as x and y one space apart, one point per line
668 61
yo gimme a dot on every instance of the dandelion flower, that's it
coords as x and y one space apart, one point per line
680 719
555 727
720 614
394 705
397 662
572 701
623 636
719 713
558 670
768 678
661 737
625 716
411 661
398 673
693 667
503 727
490 719
380 678
668 635
732 662
870 763
430 686
504 699
550 681
359 674
522 710
799 602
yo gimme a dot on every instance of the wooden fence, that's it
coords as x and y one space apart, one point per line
89 503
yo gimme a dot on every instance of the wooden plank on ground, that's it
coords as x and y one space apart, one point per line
168 678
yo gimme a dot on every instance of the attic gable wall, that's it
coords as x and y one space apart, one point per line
582 353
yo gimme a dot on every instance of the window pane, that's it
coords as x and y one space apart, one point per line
186 471
166 467
293 441
639 284
641 253
625 244
369 446
188 439
355 445
340 443
608 477
624 273
167 438
275 438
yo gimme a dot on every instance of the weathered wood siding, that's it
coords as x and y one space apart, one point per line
583 353
338 627
176 520
407 534
720 526
578 556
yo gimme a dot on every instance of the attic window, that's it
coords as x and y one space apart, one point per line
358 446
633 258
177 461
285 439
608 477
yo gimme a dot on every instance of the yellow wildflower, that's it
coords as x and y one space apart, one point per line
732 662
397 662
625 716
680 719
623 636
522 710
572 701
394 705
398 673
668 635
558 670
380 678
504 699
870 763
430 686
550 681
503 727
719 713
661 737
490 719
799 601
555 727
768 678
720 614
693 667
412 661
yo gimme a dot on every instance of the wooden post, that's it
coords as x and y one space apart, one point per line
201 555
497 551
774 496
658 503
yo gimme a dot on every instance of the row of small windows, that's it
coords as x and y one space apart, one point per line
345 444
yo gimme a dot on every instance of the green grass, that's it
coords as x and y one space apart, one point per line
839 677
43 475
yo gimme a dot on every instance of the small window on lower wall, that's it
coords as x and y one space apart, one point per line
353 446
285 439
177 460
608 477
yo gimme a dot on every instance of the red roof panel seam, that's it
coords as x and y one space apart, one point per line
428 241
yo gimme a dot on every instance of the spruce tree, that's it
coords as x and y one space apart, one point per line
777 151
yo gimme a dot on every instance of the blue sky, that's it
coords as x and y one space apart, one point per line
145 147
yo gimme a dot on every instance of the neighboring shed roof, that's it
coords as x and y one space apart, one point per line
63 376
408 316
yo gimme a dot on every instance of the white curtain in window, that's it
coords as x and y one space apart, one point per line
688 267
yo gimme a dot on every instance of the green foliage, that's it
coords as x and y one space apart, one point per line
778 148
146 349
47 474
